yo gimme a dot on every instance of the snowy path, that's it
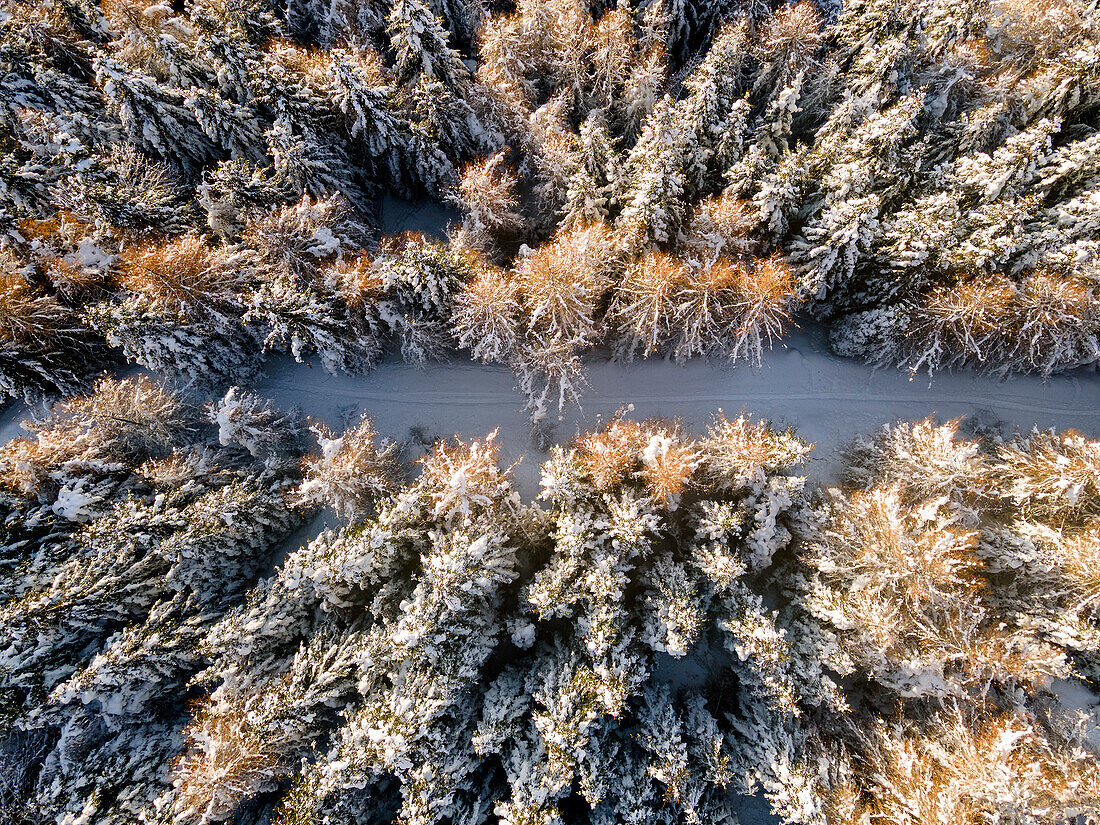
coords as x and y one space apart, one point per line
828 400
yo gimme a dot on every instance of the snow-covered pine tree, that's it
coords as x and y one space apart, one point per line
890 158
180 312
446 112
152 530
351 473
561 285
765 298
249 421
924 579
1040 323
431 624
434 556
718 226
487 195
230 190
366 96
487 314
419 280
298 301
126 192
645 306
420 44
44 349
655 199
335 23
1048 482
593 188
153 115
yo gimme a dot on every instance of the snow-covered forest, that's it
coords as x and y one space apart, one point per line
188 189
678 619
242 582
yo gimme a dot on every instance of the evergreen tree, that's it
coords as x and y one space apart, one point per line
179 314
419 599
420 278
420 44
916 543
44 350
155 532
298 301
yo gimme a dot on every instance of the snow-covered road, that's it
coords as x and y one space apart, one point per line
828 400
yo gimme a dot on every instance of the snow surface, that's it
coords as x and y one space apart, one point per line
429 217
1076 697
72 503
11 419
827 399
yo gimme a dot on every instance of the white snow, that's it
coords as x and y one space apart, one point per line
425 216
74 504
326 242
11 421
91 257
1077 698
658 446
523 634
827 399
224 419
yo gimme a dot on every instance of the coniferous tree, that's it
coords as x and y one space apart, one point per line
180 313
298 302
928 599
44 349
149 532
420 279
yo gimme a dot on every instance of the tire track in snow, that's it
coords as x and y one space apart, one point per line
510 398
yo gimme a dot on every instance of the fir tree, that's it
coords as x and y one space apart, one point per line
157 532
